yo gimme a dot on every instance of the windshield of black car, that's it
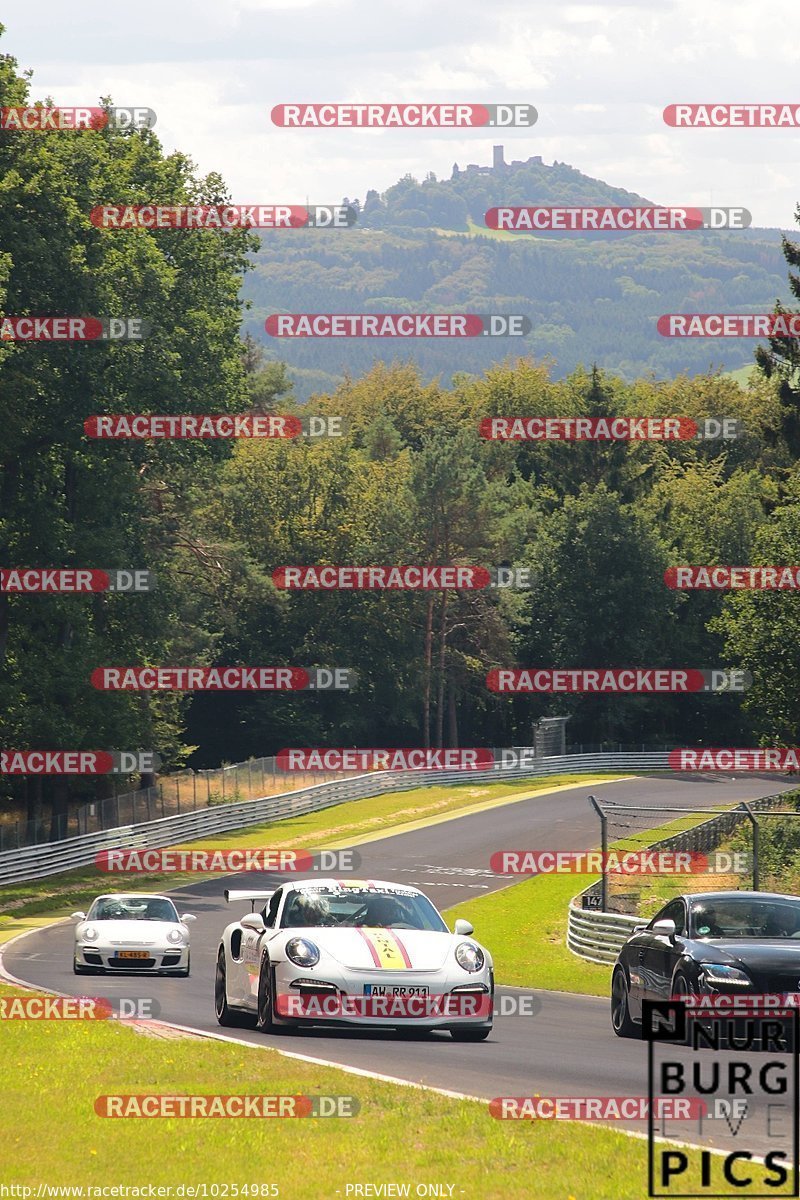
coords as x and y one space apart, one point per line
368 907
132 908
745 917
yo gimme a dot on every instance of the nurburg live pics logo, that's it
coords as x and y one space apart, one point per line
754 1086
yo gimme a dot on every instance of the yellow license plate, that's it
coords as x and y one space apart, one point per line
132 954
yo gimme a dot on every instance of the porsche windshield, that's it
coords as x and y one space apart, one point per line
745 917
132 908
360 906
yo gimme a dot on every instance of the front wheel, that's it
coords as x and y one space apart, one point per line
265 1020
621 1020
224 1013
470 1035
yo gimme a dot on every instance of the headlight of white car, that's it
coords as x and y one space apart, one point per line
89 934
302 952
470 957
174 935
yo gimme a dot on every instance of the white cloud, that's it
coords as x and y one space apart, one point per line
599 74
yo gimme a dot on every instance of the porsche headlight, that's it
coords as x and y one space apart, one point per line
302 952
718 975
89 934
174 935
470 957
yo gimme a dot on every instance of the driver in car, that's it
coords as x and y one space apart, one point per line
706 924
307 911
385 911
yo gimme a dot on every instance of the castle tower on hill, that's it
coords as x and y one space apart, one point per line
498 164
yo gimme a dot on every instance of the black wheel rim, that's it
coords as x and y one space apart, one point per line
219 987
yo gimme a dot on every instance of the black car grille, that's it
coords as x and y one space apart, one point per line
131 964
775 981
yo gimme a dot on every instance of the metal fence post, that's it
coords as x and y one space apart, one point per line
756 844
604 847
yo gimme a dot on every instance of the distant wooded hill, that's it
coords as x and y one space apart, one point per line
592 298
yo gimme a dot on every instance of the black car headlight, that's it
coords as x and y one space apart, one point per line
470 957
719 975
302 952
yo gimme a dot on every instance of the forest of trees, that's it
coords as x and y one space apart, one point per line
411 481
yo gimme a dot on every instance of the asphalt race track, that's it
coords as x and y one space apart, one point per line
565 1048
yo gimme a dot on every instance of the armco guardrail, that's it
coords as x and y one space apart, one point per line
36 862
598 936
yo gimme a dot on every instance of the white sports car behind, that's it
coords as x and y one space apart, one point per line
137 932
350 952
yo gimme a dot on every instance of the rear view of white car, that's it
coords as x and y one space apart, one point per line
136 932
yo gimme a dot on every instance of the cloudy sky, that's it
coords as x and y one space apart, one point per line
598 74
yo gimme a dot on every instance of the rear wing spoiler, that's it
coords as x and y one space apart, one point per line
233 896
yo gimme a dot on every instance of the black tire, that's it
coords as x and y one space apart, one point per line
226 1015
682 987
265 1018
79 969
621 1021
185 973
470 1035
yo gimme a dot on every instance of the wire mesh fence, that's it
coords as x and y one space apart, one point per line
652 853
174 794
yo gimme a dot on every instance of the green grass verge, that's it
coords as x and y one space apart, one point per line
52 1072
341 824
525 925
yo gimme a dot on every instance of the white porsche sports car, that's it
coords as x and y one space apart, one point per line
351 952
136 932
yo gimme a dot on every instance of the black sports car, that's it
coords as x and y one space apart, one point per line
736 943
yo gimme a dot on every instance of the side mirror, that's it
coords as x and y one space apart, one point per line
253 921
188 917
78 916
464 928
665 929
